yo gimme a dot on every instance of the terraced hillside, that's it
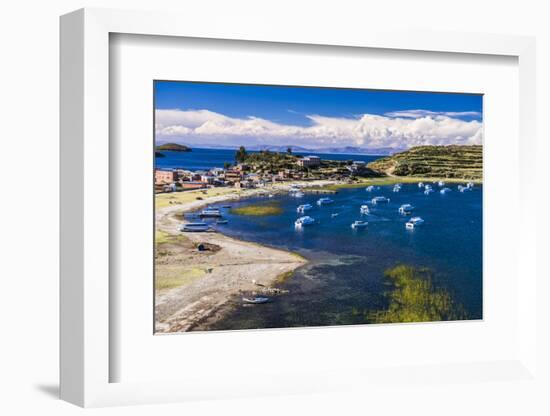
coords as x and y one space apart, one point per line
465 162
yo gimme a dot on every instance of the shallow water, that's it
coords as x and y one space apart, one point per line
344 278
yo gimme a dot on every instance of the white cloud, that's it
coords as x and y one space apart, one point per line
424 113
400 129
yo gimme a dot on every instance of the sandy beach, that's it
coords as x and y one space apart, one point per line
203 285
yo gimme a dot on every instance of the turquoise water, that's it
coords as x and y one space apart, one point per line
344 277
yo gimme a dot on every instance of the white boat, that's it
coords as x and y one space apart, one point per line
222 222
256 300
303 208
297 194
364 209
303 221
428 186
428 191
470 185
421 184
324 201
210 212
359 224
441 183
464 188
397 187
445 190
414 222
369 188
334 215
194 227
378 199
270 196
405 209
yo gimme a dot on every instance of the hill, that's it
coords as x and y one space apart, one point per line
174 147
465 162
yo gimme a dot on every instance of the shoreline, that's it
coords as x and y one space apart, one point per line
218 277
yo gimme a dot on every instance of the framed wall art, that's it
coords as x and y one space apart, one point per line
270 211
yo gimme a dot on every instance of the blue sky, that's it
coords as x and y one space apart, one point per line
203 113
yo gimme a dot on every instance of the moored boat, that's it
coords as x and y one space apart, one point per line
210 212
194 227
445 190
364 209
406 209
359 224
379 199
303 221
414 222
303 208
324 201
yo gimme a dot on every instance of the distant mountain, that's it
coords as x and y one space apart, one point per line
174 147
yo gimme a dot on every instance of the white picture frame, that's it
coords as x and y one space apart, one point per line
85 212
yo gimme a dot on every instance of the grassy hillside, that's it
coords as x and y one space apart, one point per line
464 162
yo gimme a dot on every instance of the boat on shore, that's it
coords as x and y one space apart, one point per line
359 224
303 208
194 227
413 223
324 201
303 221
256 300
406 209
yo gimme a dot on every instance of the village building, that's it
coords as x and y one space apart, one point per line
309 161
165 176
192 185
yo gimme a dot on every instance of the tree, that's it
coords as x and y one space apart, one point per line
289 150
226 165
241 155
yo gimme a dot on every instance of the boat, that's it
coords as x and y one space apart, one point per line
378 199
369 188
414 222
405 209
194 227
334 215
421 184
256 300
324 201
397 187
445 190
303 208
303 221
364 209
428 191
270 196
428 186
359 224
210 212
298 194
470 185
441 183
222 222
226 206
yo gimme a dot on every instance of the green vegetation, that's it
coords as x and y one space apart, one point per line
266 161
259 209
462 162
172 276
414 298
241 155
174 147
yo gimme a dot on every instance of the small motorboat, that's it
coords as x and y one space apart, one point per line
270 196
359 224
256 300
226 206
334 215
428 191
303 208
397 187
194 227
441 183
421 184
414 222
470 185
210 212
364 209
303 221
378 199
445 190
324 201
369 188
222 222
406 209
298 194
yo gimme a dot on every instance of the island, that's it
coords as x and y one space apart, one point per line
173 147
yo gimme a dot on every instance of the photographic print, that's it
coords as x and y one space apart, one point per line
290 206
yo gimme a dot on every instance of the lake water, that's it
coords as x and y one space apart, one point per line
204 159
344 278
